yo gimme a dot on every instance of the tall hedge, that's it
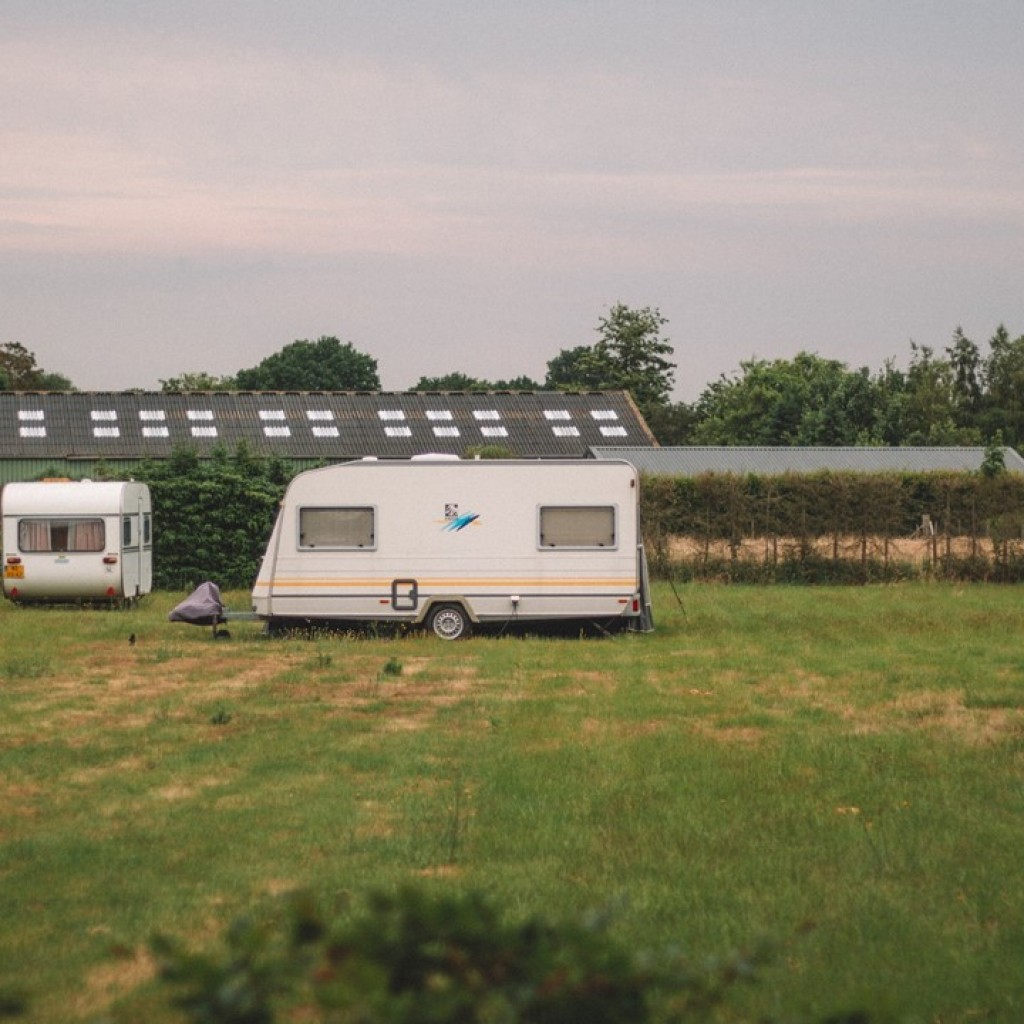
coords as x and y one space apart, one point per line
798 516
212 517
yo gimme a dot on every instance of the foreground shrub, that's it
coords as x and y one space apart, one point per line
417 959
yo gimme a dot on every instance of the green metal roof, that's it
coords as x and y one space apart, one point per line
332 426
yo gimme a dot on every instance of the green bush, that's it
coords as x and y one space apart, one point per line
412 958
212 517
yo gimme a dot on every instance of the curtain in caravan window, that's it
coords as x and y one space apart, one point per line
85 535
60 534
585 526
34 535
336 528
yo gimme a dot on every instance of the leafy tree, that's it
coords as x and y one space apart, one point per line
198 381
322 365
20 372
965 362
930 407
806 400
672 423
631 348
1003 377
629 355
461 382
575 369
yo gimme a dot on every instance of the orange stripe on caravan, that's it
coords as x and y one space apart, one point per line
623 581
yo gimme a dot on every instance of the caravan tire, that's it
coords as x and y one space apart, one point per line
449 622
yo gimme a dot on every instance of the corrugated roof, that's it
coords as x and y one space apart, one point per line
313 425
692 461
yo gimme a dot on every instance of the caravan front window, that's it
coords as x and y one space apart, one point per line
336 528
40 535
577 526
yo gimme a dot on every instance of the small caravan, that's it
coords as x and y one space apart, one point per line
446 543
67 540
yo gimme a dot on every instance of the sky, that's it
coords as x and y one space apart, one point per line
471 186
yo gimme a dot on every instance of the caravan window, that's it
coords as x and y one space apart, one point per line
61 535
577 526
336 528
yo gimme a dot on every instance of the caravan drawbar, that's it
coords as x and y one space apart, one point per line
446 543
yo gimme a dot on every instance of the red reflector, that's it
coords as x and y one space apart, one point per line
14 591
13 560
636 605
110 559
111 592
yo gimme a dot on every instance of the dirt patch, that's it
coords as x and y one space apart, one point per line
110 981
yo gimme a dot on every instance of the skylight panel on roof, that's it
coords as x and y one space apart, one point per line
325 432
398 432
102 415
439 414
391 414
486 414
155 432
565 431
268 415
494 431
557 414
613 431
152 415
277 431
446 431
32 416
604 414
199 414
204 431
106 432
314 415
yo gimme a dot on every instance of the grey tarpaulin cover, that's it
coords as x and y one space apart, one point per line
203 607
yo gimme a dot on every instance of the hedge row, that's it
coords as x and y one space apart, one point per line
836 527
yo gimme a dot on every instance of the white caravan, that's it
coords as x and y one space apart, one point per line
67 540
447 543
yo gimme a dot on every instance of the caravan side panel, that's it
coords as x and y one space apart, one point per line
504 539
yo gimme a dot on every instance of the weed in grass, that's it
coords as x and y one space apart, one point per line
1005 700
161 655
221 717
26 668
392 667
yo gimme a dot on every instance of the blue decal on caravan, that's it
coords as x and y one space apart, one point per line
461 522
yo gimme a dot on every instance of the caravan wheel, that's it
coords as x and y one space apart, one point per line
449 622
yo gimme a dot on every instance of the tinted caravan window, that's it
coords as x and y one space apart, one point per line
584 526
336 528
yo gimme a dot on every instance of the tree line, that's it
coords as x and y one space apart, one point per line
961 394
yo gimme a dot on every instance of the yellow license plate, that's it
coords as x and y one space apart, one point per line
14 572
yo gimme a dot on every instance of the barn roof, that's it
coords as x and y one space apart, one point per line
764 461
313 425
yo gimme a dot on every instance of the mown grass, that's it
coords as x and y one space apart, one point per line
840 770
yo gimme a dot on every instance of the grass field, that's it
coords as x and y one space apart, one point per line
839 770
